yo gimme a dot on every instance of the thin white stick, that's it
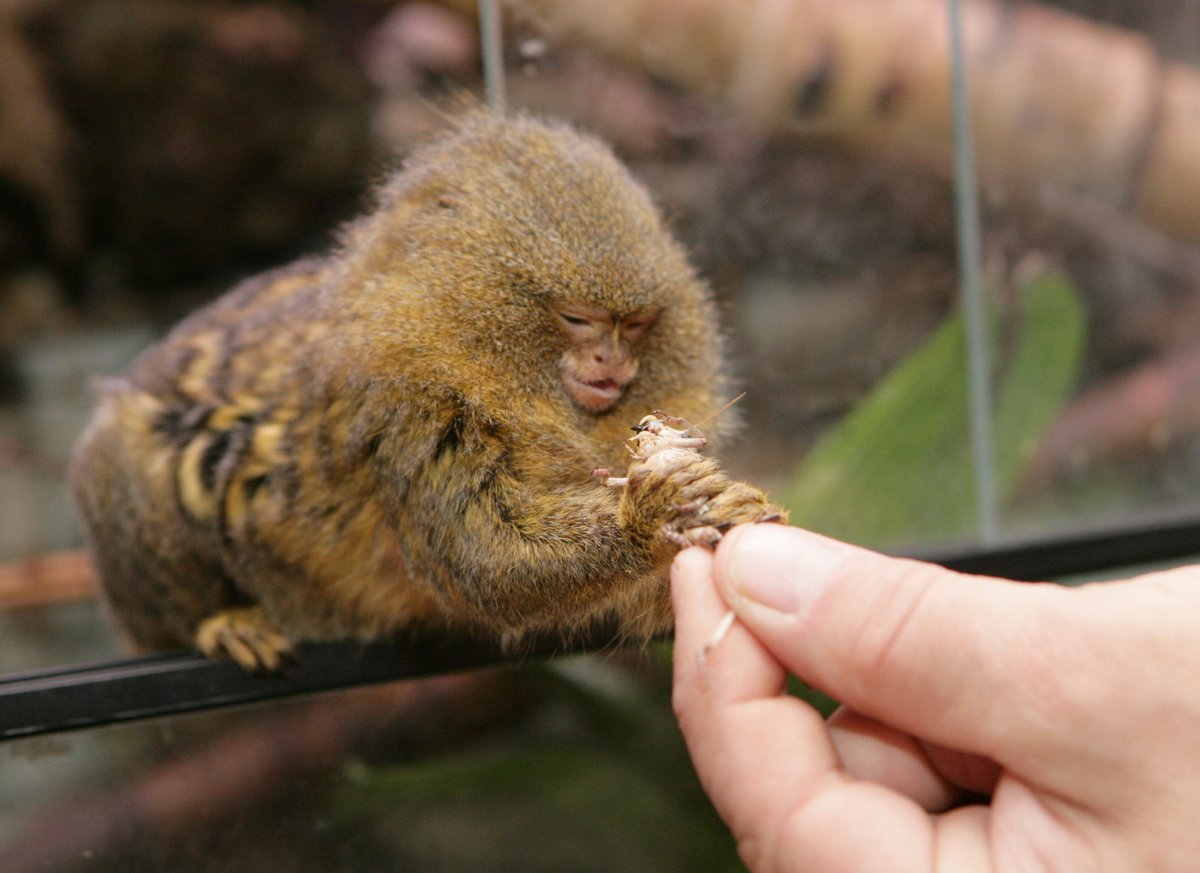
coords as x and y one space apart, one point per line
719 634
722 629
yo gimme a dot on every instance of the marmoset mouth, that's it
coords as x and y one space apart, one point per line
593 395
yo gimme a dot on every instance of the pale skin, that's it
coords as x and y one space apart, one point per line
987 725
600 363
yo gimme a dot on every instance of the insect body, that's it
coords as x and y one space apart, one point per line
663 442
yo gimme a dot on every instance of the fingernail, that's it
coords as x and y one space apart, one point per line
782 568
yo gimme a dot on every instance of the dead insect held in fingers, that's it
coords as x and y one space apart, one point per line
667 447
701 501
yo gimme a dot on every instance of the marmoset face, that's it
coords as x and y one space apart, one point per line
601 361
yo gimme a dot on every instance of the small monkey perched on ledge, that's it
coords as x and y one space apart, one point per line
400 437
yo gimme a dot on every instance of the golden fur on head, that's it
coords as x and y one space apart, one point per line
486 227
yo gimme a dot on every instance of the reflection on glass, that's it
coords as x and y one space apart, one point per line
578 768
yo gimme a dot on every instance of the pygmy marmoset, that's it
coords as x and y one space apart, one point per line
400 437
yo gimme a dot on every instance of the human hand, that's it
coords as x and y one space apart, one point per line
1073 713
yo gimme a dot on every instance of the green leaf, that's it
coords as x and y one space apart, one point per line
1041 374
898 467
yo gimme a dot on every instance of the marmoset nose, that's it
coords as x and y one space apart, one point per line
606 352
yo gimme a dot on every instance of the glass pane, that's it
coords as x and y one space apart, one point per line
572 769
153 154
802 154
70 632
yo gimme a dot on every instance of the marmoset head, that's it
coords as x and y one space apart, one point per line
528 248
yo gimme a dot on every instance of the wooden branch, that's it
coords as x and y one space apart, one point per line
1057 99
39 580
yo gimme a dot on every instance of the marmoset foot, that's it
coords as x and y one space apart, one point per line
246 636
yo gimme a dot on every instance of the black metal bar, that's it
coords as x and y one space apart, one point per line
1161 538
172 683
93 695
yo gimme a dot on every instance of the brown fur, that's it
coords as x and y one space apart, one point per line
379 441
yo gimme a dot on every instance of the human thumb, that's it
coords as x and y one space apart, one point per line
909 643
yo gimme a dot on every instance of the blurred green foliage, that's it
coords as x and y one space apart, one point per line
897 470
